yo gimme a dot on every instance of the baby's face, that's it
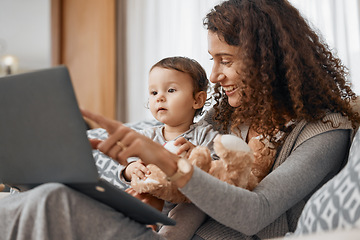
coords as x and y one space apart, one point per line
171 98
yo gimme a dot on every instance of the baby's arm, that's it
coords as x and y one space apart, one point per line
188 219
136 168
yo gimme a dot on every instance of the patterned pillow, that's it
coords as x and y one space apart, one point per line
336 205
108 168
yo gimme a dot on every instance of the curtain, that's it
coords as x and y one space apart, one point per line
339 24
154 29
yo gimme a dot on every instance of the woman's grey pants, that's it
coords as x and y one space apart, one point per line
54 211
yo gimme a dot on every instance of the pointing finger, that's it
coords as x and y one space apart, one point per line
108 124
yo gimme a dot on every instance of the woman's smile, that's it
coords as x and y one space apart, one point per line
230 90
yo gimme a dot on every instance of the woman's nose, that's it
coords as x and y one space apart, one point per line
216 77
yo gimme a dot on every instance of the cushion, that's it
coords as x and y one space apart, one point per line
336 205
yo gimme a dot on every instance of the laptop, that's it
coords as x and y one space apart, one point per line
43 139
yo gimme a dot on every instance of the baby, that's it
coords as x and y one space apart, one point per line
177 89
177 93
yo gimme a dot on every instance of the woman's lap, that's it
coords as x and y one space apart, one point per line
54 211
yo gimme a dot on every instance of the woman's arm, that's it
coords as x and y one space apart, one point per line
249 212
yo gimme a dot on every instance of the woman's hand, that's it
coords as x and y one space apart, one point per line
94 142
148 199
124 142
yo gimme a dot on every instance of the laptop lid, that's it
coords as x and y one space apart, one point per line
43 139
42 130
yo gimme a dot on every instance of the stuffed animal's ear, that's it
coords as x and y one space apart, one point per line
234 143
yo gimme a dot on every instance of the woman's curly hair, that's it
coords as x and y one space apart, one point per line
287 68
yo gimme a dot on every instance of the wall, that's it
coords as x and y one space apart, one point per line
77 33
25 32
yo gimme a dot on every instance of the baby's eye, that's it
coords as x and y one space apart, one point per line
153 93
171 90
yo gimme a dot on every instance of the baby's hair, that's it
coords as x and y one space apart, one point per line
189 66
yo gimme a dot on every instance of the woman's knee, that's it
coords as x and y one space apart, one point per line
50 187
47 191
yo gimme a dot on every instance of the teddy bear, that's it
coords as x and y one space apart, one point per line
240 164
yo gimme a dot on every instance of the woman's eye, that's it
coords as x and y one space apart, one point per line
171 90
221 61
224 62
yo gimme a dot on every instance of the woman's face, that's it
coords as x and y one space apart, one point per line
226 67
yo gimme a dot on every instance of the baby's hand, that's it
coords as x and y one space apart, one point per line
137 169
184 146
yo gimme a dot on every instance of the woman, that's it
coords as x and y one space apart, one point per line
275 79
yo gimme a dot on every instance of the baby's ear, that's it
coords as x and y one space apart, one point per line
199 99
